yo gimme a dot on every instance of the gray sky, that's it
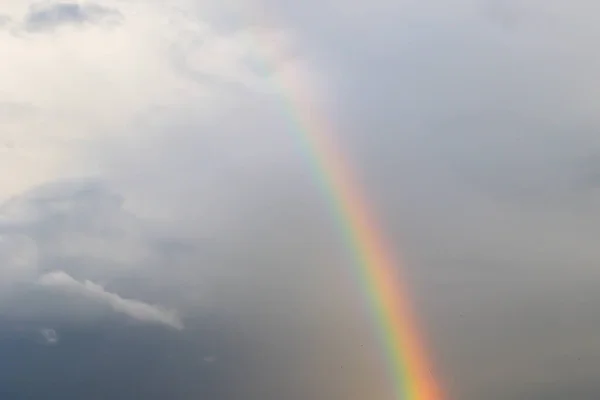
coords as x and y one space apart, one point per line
150 173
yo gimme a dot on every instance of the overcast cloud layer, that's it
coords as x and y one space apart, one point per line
150 169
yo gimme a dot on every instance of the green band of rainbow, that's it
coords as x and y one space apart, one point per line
375 268
377 272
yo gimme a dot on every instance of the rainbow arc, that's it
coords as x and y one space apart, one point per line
376 270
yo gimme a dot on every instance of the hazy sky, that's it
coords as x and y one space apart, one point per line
162 235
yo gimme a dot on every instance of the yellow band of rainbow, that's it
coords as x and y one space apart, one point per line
377 272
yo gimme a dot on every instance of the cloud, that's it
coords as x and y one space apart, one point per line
50 336
75 219
19 259
101 100
46 17
133 308
473 125
81 229
4 20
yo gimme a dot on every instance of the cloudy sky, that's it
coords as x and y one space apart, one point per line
162 234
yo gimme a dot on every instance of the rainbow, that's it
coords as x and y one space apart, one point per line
377 271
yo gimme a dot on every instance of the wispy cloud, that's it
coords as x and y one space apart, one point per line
46 17
50 336
136 309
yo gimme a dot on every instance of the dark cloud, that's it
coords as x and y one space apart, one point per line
252 315
110 362
47 17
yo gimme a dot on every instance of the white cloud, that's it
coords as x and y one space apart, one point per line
18 259
133 308
162 100
87 86
79 228
70 219
50 336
